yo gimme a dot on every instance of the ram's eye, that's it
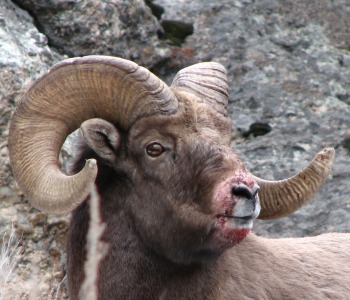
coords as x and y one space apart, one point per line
154 149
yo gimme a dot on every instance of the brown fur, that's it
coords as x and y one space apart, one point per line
161 233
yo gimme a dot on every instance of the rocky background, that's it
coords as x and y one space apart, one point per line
289 71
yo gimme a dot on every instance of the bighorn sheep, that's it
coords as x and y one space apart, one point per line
177 203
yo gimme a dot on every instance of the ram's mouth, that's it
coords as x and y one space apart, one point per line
240 217
244 218
230 230
245 222
234 227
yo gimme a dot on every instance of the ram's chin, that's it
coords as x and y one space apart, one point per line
231 231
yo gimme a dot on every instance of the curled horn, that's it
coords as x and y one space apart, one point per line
71 92
208 82
283 197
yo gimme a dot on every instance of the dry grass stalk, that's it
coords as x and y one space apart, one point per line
96 249
9 251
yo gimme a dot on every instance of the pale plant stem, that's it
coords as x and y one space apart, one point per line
96 249
9 249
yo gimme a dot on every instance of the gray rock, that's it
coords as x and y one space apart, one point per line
119 28
287 68
24 55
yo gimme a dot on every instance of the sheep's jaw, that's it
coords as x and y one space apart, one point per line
236 210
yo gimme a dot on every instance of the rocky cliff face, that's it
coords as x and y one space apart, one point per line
289 71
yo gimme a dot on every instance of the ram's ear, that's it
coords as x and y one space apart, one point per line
102 137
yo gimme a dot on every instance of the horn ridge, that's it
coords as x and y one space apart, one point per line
283 197
208 82
190 82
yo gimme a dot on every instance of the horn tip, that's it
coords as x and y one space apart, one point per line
90 170
326 155
328 150
91 163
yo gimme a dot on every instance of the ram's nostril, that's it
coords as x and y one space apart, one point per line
243 191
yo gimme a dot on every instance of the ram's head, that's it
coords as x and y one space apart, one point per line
161 154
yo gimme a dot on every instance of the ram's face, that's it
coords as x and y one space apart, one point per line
189 197
192 197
